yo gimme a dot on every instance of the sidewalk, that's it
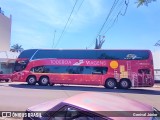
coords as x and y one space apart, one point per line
157 85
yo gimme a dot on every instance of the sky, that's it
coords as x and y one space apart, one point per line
40 23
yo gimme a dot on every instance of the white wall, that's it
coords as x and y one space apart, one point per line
156 59
156 62
5 32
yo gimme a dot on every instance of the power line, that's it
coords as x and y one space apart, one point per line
54 38
76 12
110 24
66 24
126 3
80 6
114 15
119 13
111 10
90 45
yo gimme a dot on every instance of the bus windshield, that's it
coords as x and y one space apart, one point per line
20 64
23 59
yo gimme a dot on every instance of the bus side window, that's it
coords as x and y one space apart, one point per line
38 69
100 70
144 71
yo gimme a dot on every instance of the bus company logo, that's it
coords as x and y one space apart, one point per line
96 63
79 62
61 62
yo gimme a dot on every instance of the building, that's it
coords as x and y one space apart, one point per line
5 31
7 58
156 61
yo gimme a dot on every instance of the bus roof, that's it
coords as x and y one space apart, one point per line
33 54
96 49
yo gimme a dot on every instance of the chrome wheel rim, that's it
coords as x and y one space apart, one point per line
111 84
44 80
31 80
124 84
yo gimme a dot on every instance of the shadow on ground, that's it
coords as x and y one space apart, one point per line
146 90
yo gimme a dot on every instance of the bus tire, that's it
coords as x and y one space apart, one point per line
44 81
31 80
124 84
110 83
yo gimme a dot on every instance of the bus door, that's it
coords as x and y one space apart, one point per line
144 78
17 76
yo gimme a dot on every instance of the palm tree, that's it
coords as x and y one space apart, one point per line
16 48
144 2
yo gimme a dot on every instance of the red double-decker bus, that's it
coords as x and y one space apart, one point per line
109 68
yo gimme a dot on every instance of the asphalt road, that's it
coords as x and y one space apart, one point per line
19 96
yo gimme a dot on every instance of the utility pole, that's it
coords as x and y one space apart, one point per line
54 38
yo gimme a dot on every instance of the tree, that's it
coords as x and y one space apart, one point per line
16 48
144 2
99 42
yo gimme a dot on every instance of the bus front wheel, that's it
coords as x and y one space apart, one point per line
44 81
31 80
124 84
110 83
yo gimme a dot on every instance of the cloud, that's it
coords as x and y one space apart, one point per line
56 12
36 20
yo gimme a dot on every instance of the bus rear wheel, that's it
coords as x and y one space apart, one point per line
124 84
31 80
44 81
110 83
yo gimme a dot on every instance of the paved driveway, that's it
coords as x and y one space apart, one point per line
20 96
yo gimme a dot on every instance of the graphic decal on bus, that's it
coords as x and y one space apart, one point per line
77 62
114 64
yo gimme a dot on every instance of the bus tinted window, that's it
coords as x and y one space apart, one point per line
20 65
123 54
93 54
70 69
27 53
78 54
65 54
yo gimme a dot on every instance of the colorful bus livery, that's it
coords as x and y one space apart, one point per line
110 68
